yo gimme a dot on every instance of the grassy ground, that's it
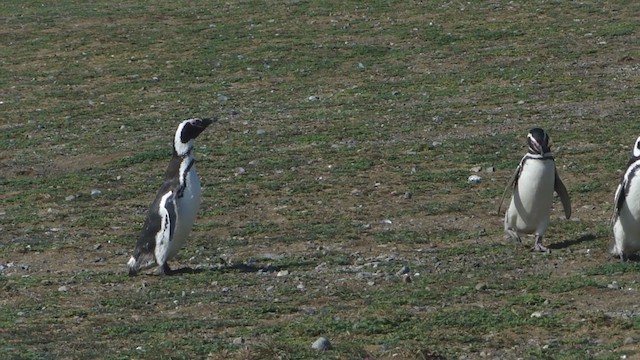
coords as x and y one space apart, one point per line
346 134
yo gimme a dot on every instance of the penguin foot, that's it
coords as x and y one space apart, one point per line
163 269
512 235
538 247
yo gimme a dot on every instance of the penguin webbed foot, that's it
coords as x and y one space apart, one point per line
538 247
163 269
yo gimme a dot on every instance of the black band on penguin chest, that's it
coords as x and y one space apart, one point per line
183 176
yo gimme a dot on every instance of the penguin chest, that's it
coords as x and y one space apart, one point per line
627 225
533 196
187 207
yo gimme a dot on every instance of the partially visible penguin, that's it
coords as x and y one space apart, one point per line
533 183
173 212
626 209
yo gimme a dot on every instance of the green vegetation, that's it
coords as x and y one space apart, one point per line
346 134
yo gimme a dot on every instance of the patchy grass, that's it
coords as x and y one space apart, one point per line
346 135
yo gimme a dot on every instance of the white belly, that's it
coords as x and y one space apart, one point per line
532 198
626 229
187 209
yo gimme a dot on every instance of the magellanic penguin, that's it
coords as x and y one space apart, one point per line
533 183
625 221
172 213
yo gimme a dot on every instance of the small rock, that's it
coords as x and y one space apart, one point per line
282 273
407 195
435 144
356 192
614 285
406 278
476 169
482 286
95 192
314 98
386 222
97 247
403 271
629 341
240 171
474 179
222 98
238 341
321 344
63 288
70 198
490 169
537 314
261 131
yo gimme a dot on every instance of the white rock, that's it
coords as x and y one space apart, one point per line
282 273
474 179
537 314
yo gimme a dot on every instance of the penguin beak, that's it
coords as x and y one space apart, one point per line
203 123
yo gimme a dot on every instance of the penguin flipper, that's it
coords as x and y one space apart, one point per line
618 201
562 192
511 184
164 236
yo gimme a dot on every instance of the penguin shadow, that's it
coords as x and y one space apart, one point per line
568 243
186 270
248 268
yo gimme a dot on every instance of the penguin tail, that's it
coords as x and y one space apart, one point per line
140 260
133 265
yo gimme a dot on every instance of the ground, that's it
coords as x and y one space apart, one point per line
336 202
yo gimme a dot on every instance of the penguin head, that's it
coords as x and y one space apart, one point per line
187 131
538 141
636 148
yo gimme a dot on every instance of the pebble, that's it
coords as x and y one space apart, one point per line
476 169
407 195
474 179
222 98
314 98
96 192
490 169
537 314
240 171
70 198
482 286
261 131
282 273
614 285
403 271
629 341
63 288
238 341
321 344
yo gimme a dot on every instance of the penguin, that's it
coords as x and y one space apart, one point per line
533 183
173 212
625 222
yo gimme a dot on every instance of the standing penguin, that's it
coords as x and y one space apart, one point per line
533 184
626 209
172 213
